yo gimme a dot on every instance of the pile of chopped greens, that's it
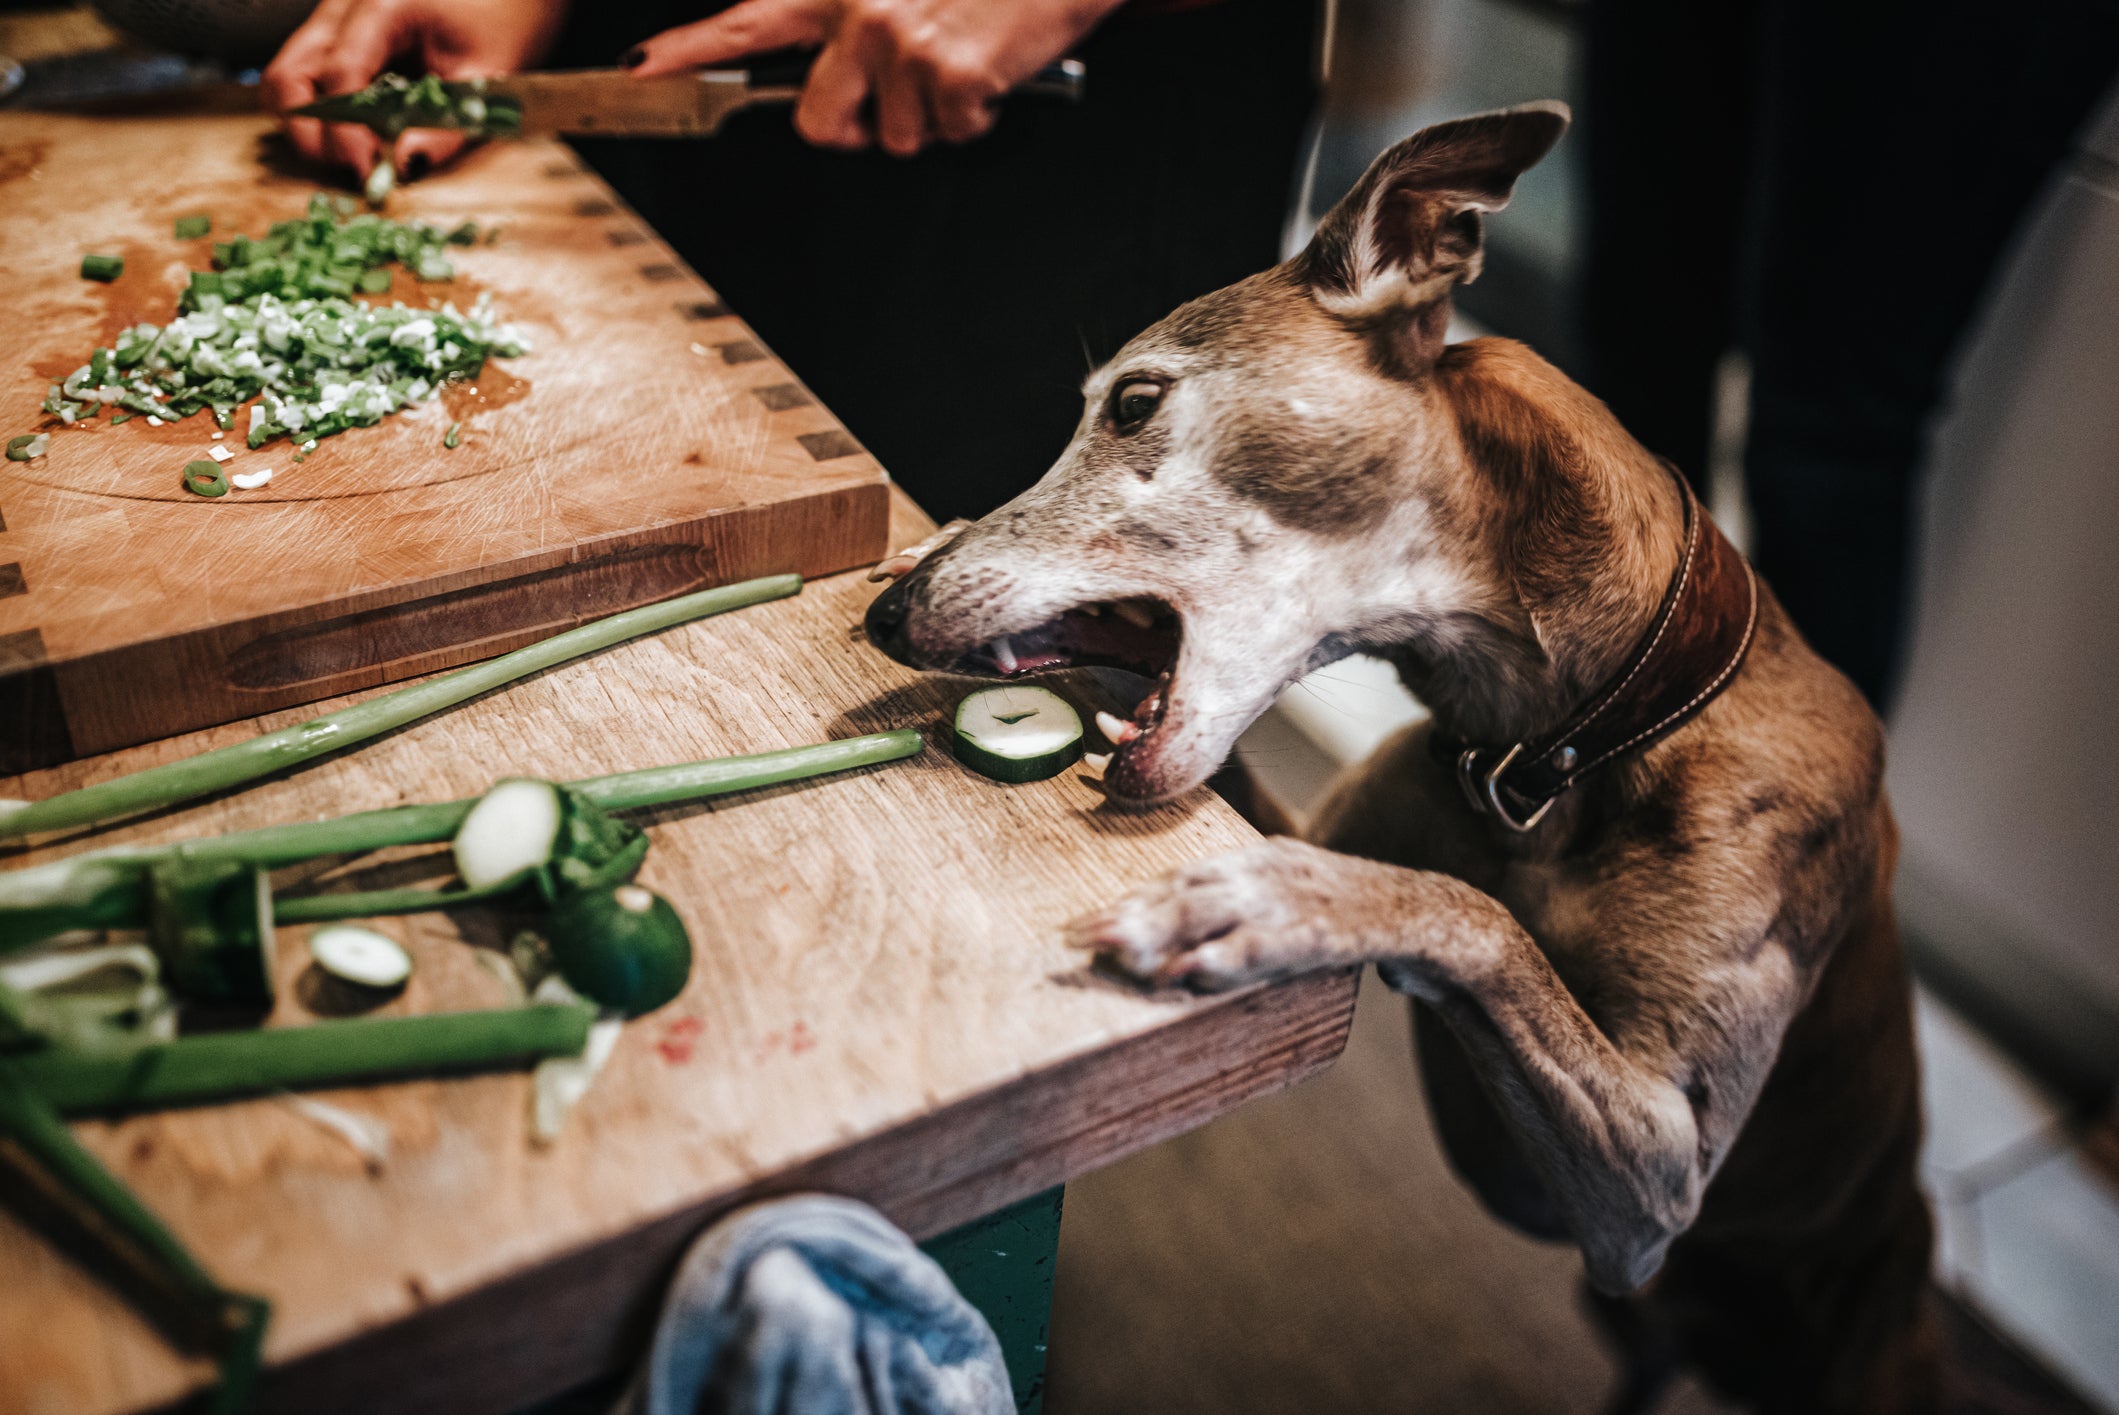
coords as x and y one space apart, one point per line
276 321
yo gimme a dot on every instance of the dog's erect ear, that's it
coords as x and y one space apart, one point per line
1409 231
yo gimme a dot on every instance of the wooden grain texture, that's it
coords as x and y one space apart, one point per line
647 444
882 1006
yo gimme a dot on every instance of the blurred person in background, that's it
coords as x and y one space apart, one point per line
941 265
1828 186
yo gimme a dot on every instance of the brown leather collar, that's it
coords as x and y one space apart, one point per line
1687 655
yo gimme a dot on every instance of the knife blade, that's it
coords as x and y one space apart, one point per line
600 102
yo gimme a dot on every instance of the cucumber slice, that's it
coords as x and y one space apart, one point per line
1016 734
623 948
509 832
360 956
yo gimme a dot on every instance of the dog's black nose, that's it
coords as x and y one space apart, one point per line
886 622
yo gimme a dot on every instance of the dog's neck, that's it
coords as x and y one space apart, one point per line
1585 531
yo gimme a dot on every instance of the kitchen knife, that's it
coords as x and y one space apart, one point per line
600 102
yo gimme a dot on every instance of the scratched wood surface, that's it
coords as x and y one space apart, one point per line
647 444
881 1006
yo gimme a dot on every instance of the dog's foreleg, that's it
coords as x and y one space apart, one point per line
1625 1136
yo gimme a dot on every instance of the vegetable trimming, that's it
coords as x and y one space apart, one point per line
623 947
141 1254
109 889
290 746
221 1065
359 956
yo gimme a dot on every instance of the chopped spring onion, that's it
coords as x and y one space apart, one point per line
290 746
276 321
29 446
360 956
102 267
190 228
393 103
205 478
1018 733
560 1082
382 180
454 437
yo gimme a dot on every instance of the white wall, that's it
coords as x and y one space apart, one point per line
2004 761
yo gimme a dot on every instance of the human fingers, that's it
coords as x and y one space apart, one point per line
964 101
351 145
424 149
369 34
289 80
901 117
829 112
753 27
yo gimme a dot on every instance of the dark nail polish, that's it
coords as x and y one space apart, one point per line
632 58
416 166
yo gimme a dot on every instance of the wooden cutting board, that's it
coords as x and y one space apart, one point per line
647 445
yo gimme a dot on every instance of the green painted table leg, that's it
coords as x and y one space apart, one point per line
1003 1264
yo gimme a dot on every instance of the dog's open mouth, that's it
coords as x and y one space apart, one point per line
1141 636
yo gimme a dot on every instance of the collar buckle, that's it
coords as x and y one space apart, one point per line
1483 789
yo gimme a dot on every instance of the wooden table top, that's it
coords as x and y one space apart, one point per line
881 1007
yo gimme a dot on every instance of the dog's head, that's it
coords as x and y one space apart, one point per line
1219 521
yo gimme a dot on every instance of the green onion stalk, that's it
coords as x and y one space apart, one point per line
217 770
109 889
215 1066
181 1295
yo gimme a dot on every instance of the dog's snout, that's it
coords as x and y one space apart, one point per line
885 623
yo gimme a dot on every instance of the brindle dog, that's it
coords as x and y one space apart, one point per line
1670 1021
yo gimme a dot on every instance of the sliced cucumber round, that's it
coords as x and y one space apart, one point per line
360 956
509 832
623 948
1017 733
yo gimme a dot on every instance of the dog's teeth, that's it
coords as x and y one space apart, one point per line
1098 762
1117 730
1094 611
891 569
1135 614
1004 654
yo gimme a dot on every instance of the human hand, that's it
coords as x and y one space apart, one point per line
346 43
934 68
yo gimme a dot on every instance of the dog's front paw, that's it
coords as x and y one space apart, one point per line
1222 923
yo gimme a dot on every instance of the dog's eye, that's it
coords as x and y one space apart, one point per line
1134 402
